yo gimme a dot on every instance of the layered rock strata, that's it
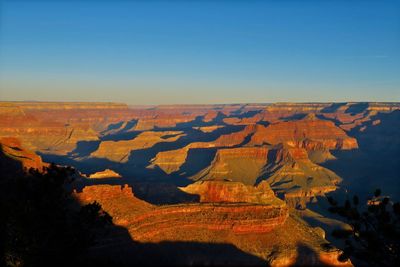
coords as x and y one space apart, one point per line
119 151
12 148
262 230
107 173
171 161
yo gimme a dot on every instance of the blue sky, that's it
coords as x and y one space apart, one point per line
167 52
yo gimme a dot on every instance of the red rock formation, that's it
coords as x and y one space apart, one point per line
210 116
119 201
171 161
208 129
107 173
144 220
235 218
11 147
310 128
119 151
258 229
233 192
295 175
243 164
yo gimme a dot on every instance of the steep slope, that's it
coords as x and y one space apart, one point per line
237 215
119 151
171 161
315 131
292 173
233 192
242 164
376 163
287 169
12 149
262 230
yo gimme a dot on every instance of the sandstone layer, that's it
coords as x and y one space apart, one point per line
171 161
119 151
11 148
107 173
242 164
233 192
262 230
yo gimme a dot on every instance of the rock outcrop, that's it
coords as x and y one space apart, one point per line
293 174
317 133
107 173
171 161
208 129
262 230
119 151
233 192
241 213
242 164
11 148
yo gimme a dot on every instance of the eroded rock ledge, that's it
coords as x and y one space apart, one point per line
240 213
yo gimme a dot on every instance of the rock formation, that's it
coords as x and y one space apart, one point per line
260 229
171 161
107 173
11 148
315 131
208 129
119 151
212 191
242 164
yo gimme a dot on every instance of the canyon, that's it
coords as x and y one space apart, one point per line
215 174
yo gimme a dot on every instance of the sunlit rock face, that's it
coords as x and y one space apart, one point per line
262 228
171 161
119 151
57 127
107 173
322 133
293 171
227 207
11 147
233 192
243 164
217 169
199 142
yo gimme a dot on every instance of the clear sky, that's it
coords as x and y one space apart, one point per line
167 52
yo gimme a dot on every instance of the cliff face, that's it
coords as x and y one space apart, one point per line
171 161
322 133
262 229
237 215
107 173
56 127
292 173
243 164
224 155
11 148
231 192
119 151
119 201
247 155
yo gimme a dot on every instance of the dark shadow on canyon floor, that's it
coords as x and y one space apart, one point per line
126 252
376 163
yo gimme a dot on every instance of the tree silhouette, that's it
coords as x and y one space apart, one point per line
41 224
374 234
